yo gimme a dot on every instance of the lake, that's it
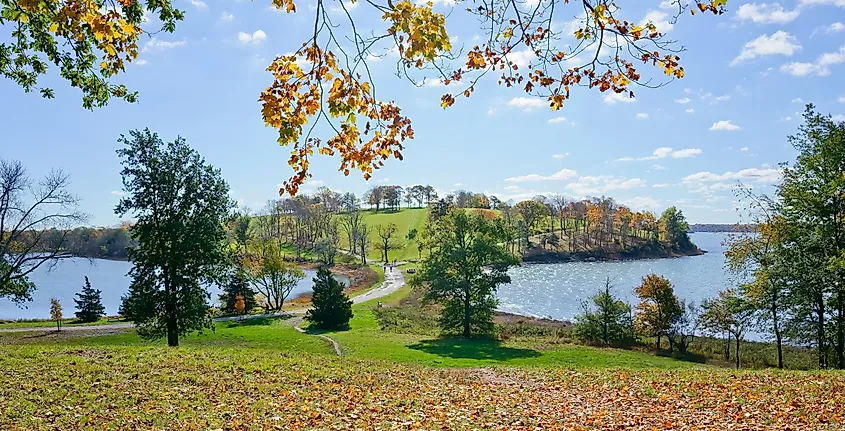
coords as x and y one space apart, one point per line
556 290
545 290
68 277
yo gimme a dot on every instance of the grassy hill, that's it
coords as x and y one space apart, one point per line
405 220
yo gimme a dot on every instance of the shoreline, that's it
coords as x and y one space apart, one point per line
604 256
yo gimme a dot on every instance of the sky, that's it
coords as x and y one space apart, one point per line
749 74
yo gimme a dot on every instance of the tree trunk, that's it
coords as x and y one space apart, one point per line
466 315
170 312
658 341
840 329
821 338
778 337
737 351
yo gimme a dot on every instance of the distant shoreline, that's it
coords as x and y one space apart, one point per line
603 256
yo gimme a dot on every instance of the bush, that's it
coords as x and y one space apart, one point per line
332 309
607 322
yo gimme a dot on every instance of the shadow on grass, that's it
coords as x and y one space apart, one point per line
473 348
258 321
686 357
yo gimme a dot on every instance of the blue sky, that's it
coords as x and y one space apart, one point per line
748 74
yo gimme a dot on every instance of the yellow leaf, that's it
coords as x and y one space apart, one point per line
104 65
54 28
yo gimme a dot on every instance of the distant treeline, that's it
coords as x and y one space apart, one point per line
720 227
94 242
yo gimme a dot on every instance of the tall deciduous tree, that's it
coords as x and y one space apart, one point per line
56 313
674 227
29 210
466 265
89 306
275 279
659 307
729 313
386 240
180 203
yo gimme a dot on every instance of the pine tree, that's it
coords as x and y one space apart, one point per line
89 305
238 285
332 309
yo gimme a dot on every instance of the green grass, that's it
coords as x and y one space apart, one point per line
366 340
405 220
52 324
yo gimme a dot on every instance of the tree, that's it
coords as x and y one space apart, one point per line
386 241
28 211
674 227
89 306
275 279
466 265
236 288
240 304
730 313
607 321
532 212
682 329
659 308
331 308
374 197
56 312
180 204
63 33
813 204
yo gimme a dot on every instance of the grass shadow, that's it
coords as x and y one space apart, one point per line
473 348
258 321
686 357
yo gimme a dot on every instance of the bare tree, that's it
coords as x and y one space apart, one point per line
351 224
362 242
386 241
27 210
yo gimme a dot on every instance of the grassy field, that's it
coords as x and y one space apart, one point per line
38 323
405 220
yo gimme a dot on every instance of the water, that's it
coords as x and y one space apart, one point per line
68 277
556 290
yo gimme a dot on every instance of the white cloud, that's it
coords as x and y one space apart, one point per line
347 4
743 149
838 118
659 19
642 203
690 111
199 4
820 68
157 45
797 100
841 99
683 100
431 82
227 17
764 13
661 186
526 103
754 175
642 116
559 156
255 38
836 27
659 167
591 185
725 125
557 120
667 4
779 43
664 153
559 175
458 184
521 59
612 97
840 3
437 2
117 193
512 188
141 62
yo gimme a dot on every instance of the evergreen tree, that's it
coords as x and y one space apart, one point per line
331 309
89 306
238 286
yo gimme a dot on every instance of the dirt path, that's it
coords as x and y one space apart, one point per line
393 281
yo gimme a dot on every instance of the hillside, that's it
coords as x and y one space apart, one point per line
405 220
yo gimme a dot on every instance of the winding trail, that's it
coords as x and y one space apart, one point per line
393 281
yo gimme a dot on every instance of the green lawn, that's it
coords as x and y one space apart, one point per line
405 220
52 324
